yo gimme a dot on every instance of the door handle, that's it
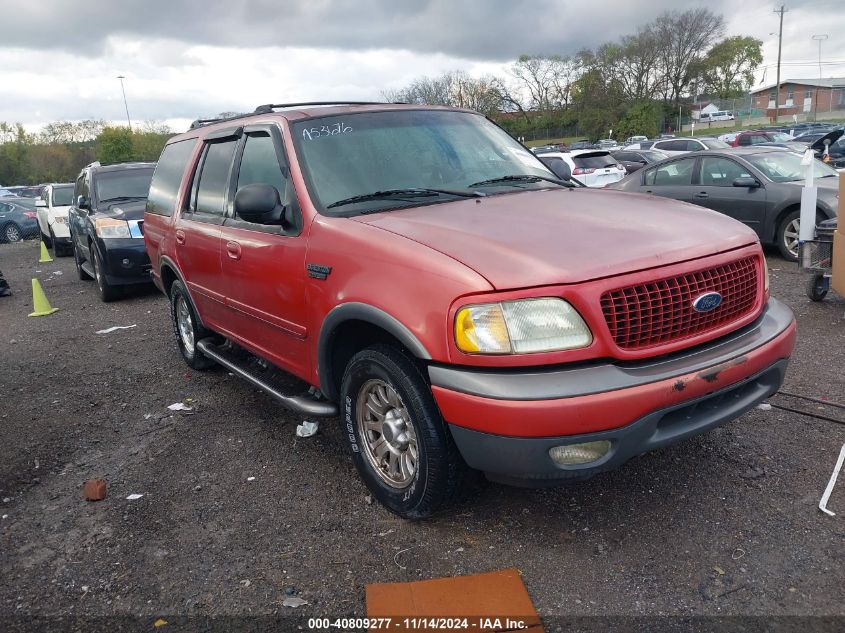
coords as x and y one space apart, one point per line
180 236
648 191
233 249
701 195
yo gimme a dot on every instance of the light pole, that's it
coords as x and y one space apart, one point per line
820 38
781 11
128 120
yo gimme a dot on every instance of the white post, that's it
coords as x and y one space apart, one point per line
809 192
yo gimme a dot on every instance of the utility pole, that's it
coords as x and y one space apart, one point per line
781 11
820 39
128 120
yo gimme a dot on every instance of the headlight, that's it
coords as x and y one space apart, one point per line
765 275
59 219
110 228
520 327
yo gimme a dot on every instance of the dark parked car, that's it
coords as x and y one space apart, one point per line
582 144
106 225
16 222
759 186
632 159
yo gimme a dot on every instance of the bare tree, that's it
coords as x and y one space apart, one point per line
683 40
547 80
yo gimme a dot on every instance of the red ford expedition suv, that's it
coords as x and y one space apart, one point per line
456 304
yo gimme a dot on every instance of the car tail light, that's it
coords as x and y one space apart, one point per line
30 214
580 171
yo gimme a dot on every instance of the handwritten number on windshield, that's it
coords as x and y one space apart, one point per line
309 134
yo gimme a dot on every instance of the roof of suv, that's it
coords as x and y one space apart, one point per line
296 111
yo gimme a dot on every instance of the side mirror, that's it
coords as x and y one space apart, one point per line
82 202
260 203
557 166
747 182
40 203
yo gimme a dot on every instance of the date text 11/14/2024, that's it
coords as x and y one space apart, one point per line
420 623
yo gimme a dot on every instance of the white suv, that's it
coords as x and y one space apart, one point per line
52 207
591 167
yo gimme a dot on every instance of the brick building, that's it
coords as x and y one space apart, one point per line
802 97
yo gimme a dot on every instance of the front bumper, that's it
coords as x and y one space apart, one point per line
505 422
125 261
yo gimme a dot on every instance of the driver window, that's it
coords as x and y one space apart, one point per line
720 172
261 165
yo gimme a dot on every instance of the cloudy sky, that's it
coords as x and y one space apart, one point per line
59 59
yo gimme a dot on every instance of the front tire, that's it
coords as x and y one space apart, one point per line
48 242
108 292
187 329
396 435
787 236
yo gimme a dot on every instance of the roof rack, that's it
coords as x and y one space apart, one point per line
269 107
200 122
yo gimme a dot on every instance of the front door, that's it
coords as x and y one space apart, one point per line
264 265
715 191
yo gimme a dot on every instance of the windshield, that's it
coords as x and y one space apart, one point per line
359 154
779 137
714 144
654 155
62 196
126 183
786 166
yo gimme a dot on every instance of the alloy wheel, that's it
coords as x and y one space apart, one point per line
388 435
185 324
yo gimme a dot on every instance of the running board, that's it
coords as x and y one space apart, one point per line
306 405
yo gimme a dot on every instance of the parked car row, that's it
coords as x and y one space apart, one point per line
759 186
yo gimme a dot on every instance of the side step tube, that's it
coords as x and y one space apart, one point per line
299 404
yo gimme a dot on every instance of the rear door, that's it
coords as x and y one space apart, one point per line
264 265
671 180
198 227
715 190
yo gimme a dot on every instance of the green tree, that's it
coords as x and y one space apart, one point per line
641 118
728 68
114 145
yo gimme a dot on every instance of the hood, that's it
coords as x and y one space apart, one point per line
60 211
536 238
828 139
124 210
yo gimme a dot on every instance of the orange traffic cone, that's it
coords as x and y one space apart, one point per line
45 256
39 300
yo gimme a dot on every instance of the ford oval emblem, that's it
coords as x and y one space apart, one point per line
707 302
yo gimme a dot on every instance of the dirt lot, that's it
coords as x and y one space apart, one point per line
237 512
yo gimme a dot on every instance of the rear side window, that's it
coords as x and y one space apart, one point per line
164 187
677 173
212 183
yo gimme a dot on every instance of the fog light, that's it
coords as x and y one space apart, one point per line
126 262
573 454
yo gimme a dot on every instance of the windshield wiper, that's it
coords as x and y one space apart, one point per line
123 198
415 192
521 178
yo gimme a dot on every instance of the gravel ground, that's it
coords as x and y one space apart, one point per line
237 512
